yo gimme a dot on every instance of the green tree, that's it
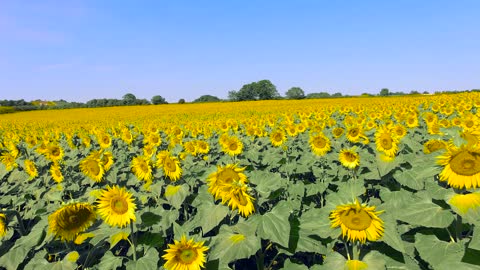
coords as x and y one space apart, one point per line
158 100
233 95
129 99
384 92
318 95
181 101
266 90
207 98
295 93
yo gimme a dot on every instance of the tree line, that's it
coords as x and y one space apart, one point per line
260 90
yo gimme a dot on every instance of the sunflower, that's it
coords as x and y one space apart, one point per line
412 121
291 130
104 140
349 158
220 181
54 152
465 202
355 133
277 138
472 137
185 255
141 168
127 136
70 220
149 150
3 225
31 169
385 142
56 173
358 222
238 197
233 146
337 132
107 160
202 147
116 206
152 139
433 145
462 166
190 147
319 144
170 165
8 160
93 168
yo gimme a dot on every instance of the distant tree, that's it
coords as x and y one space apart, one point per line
295 93
384 92
233 95
414 92
207 98
366 95
158 100
142 101
338 94
425 92
318 95
129 99
247 92
181 101
266 90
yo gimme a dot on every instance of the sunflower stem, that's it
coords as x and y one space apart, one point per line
346 249
458 228
356 251
20 222
132 242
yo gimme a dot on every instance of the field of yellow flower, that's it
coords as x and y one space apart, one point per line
347 183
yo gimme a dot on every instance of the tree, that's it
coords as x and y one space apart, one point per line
338 94
207 98
158 100
414 92
295 93
181 101
247 92
318 95
266 90
384 92
233 95
129 99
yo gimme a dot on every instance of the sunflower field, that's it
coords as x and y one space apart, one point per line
347 183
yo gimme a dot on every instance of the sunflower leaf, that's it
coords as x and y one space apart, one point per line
110 261
426 214
148 262
436 252
275 226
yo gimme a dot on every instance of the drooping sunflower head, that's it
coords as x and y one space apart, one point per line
70 220
185 255
171 168
461 166
319 144
465 202
104 140
434 145
116 206
56 173
3 225
107 160
31 169
349 158
93 168
219 181
358 222
238 198
278 137
141 168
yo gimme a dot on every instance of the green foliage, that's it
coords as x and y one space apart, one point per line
206 98
295 93
158 100
261 90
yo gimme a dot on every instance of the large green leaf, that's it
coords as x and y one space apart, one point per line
148 262
235 242
437 252
391 235
110 261
274 225
475 242
289 265
426 214
316 222
211 215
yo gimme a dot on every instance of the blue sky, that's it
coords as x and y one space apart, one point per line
80 50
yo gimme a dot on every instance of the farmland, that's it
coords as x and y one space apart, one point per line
346 183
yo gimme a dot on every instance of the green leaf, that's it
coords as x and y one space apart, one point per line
475 243
374 260
426 214
437 252
293 266
211 216
177 195
316 222
147 262
391 235
110 261
275 226
13 258
235 242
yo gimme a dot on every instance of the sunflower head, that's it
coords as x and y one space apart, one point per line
185 254
141 168
434 145
31 169
461 166
70 220
319 144
93 168
465 202
358 222
233 146
220 181
337 132
3 225
277 138
238 198
349 158
56 173
116 206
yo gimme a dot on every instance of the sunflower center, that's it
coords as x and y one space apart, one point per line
350 157
55 151
93 167
143 166
386 142
233 146
188 255
106 139
356 219
228 175
170 164
353 132
469 123
319 142
119 205
277 137
465 163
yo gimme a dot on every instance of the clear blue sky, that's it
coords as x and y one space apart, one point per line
80 50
